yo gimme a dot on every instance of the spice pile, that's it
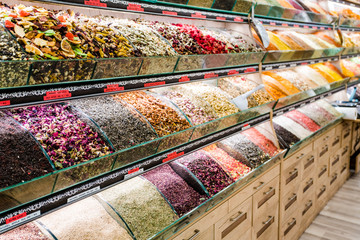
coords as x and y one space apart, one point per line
303 120
261 141
164 118
141 206
21 157
67 138
181 196
27 231
208 171
317 113
288 137
290 125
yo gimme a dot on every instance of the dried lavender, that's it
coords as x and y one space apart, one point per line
208 171
181 196
141 206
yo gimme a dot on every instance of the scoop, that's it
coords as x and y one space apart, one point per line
241 101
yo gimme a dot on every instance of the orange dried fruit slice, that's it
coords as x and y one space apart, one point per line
65 45
32 49
19 31
40 42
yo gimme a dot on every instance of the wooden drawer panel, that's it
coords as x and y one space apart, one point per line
253 187
265 199
307 185
204 228
290 178
334 180
308 165
307 209
335 162
323 151
289 204
345 153
344 173
322 169
297 157
321 196
239 220
290 227
335 143
346 135
267 226
246 235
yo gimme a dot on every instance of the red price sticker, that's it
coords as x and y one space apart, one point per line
295 25
306 26
322 28
272 23
154 84
184 79
233 72
113 88
96 3
133 170
198 15
248 70
238 19
51 95
135 7
285 25
5 103
314 27
221 18
17 217
210 75
329 28
172 155
169 13
304 63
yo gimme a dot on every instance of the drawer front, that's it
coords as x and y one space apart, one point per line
323 151
321 196
289 204
308 165
322 169
345 153
346 135
246 236
307 186
290 227
334 179
265 199
297 157
290 178
239 220
335 162
253 187
335 143
204 228
307 209
344 173
326 138
266 227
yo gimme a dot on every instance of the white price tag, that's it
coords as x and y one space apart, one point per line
282 66
127 176
293 65
86 193
268 68
280 113
290 109
23 217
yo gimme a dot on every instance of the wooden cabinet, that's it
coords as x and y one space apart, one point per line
290 227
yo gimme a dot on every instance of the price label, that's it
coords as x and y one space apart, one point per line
96 3
282 66
198 15
238 19
322 96
184 79
285 25
154 84
312 100
113 88
18 219
133 172
312 62
169 13
221 18
295 25
293 65
304 63
232 72
268 68
303 104
246 126
322 28
272 23
83 194
134 7
52 95
305 26
291 109
248 70
314 27
210 75
172 155
5 103
280 113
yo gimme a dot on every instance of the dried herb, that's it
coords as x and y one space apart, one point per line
288 137
24 232
261 141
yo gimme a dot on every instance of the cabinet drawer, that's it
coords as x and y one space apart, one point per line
321 196
345 153
267 226
290 178
323 151
322 169
297 157
344 172
239 220
246 236
265 199
333 182
325 138
335 161
307 185
290 227
308 165
253 187
335 143
289 204
345 135
307 210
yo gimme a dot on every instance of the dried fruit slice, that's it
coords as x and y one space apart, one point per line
65 45
19 31
75 40
34 50
40 42
70 54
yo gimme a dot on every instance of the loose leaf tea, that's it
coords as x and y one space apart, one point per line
141 206
181 196
288 137
231 165
84 220
21 157
25 232
67 138
164 119
208 171
123 126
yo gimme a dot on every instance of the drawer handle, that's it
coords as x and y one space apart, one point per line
260 186
347 133
293 175
300 156
242 216
291 201
322 190
344 168
268 195
333 179
307 207
336 160
326 138
196 234
308 185
266 226
337 140
290 226
345 151
323 170
310 161
324 150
